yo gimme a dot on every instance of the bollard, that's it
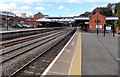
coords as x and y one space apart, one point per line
117 30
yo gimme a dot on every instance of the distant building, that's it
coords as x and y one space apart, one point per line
32 21
7 13
9 18
23 15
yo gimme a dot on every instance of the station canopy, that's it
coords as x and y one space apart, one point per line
44 20
55 20
69 19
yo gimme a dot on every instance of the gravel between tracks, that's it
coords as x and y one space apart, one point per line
21 60
38 67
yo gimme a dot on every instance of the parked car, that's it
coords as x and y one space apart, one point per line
22 26
25 26
17 26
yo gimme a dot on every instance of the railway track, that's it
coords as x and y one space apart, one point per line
23 41
32 46
10 35
12 57
51 52
5 45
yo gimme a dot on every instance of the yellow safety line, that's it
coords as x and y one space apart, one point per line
76 65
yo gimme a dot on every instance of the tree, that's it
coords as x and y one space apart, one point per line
106 12
86 14
117 23
117 6
118 13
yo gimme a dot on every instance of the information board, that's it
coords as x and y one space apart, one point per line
99 26
108 28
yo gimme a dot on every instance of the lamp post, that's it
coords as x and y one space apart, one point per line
104 29
113 31
97 20
7 21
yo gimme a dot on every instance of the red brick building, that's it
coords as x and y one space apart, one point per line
97 21
32 21
10 19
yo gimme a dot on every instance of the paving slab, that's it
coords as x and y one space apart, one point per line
99 54
63 64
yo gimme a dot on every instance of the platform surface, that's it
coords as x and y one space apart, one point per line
100 54
88 54
69 62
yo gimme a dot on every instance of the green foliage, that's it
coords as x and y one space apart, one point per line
118 6
110 22
114 14
86 14
106 12
117 23
118 13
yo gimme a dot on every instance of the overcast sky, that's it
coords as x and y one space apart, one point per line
53 7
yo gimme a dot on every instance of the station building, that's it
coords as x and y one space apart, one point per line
97 21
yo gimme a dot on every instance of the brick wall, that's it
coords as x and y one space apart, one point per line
93 21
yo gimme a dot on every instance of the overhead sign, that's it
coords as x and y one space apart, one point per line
99 26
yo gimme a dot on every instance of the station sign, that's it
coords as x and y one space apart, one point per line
108 28
99 26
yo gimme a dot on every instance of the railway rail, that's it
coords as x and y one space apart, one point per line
5 45
48 52
9 35
33 47
19 46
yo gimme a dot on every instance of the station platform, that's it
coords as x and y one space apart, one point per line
87 54
68 61
22 29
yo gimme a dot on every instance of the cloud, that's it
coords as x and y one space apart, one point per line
25 7
95 6
39 8
61 7
29 13
73 15
70 1
74 1
44 4
67 9
21 1
10 6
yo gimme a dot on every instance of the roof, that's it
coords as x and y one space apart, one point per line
44 20
55 17
112 18
7 13
39 14
81 18
76 18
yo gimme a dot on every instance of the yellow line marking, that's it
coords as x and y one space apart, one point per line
76 65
